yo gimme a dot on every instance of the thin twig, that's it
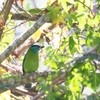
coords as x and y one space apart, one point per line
34 4
4 6
15 97
87 7
21 9
19 24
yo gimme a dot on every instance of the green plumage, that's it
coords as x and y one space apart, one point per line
31 61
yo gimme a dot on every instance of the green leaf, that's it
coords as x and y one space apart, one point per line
96 40
53 13
41 79
87 27
79 48
50 97
49 48
82 22
34 11
89 39
80 8
64 5
72 44
96 20
46 88
70 22
94 81
53 65
38 86
47 61
49 8
98 49
79 15
27 7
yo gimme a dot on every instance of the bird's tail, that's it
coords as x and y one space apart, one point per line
27 86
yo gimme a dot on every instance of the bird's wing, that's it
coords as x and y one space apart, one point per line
30 62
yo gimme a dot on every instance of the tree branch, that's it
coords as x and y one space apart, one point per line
65 74
6 10
21 91
23 37
62 77
8 81
22 16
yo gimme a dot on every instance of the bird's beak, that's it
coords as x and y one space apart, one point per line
41 47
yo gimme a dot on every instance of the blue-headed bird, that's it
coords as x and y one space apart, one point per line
31 60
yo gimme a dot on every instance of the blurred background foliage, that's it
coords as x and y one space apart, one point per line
73 32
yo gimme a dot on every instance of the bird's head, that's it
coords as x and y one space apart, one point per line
36 48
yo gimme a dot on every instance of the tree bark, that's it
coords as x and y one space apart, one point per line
23 37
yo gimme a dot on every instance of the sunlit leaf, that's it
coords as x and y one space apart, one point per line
64 5
53 65
2 71
27 7
5 95
79 48
37 35
96 20
82 22
53 13
47 61
80 7
89 38
71 44
38 86
40 79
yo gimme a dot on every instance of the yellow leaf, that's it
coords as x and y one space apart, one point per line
37 35
1 98
64 5
59 19
56 21
82 22
49 2
2 71
5 95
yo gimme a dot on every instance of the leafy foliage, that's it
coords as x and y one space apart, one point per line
78 26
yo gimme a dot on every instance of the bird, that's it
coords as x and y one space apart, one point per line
31 61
